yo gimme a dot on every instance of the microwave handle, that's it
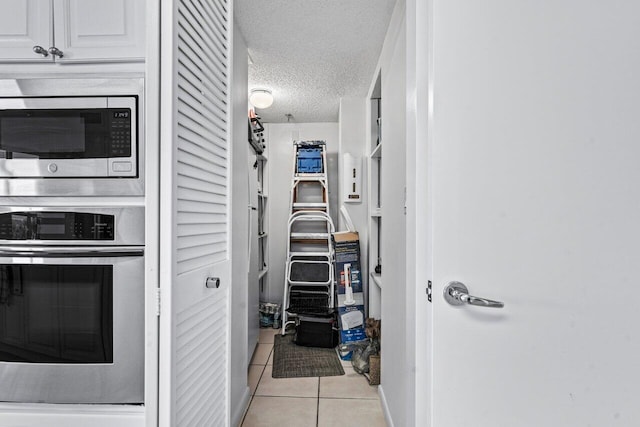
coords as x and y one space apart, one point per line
72 252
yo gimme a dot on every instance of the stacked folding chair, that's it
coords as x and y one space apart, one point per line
309 270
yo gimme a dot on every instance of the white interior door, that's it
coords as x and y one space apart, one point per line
536 203
195 211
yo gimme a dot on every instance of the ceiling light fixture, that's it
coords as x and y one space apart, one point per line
261 98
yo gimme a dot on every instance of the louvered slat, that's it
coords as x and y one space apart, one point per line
199 157
186 183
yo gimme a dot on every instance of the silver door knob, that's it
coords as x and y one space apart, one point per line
56 52
212 282
41 51
456 293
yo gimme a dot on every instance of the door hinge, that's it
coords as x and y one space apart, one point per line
158 301
429 291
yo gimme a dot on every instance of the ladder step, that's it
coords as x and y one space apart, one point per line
309 256
309 298
309 273
320 178
318 243
310 174
295 210
309 236
308 205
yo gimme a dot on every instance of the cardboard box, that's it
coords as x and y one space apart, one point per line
349 288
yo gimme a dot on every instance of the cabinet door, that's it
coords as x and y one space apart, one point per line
23 25
98 30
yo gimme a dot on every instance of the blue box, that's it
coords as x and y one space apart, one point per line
350 293
309 160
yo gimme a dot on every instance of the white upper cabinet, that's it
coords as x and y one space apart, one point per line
23 25
98 30
72 30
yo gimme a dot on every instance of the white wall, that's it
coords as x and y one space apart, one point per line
397 367
419 162
394 371
279 140
352 134
238 389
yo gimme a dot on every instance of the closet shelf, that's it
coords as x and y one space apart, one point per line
377 152
377 279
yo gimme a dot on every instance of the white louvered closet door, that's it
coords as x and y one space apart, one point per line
195 212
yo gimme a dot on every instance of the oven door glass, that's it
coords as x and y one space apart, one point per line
56 313
72 327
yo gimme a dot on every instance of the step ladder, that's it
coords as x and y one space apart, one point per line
309 270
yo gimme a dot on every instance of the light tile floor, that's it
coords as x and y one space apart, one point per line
346 401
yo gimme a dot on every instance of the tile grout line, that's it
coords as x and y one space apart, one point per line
318 405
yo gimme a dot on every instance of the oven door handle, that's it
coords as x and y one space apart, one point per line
72 252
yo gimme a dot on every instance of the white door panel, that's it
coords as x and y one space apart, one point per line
195 204
99 30
23 25
535 203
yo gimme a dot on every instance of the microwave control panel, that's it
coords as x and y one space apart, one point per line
120 133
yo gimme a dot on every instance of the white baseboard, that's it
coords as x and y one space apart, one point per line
49 415
238 413
385 407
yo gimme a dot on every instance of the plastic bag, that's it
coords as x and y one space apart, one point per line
361 352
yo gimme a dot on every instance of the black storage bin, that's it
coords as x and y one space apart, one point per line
313 331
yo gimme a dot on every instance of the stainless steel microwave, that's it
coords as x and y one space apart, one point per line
66 137
80 137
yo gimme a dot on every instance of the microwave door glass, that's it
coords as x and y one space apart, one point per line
65 133
42 137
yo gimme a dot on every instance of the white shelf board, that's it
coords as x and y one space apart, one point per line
377 279
377 152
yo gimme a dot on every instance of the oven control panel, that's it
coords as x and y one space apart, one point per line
56 226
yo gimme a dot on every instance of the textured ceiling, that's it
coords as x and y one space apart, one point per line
311 53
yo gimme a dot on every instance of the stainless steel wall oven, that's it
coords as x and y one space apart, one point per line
72 305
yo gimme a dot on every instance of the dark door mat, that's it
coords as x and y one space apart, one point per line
294 361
